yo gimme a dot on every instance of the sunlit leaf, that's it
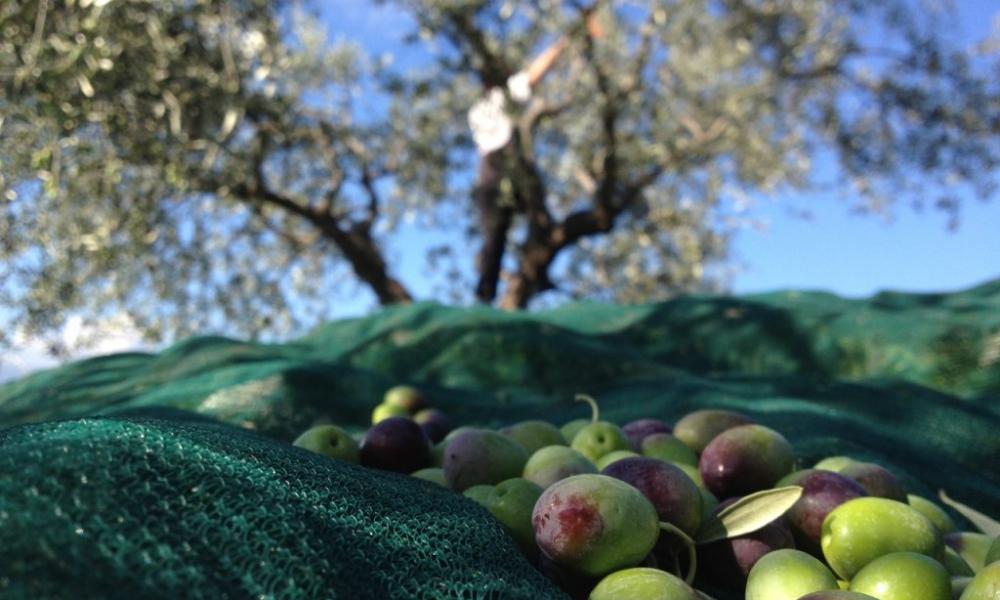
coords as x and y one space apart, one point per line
985 524
748 514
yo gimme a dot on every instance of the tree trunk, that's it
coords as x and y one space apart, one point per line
532 275
544 243
494 223
368 264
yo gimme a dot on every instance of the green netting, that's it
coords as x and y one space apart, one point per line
146 508
907 380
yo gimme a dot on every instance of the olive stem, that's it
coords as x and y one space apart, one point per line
594 411
692 554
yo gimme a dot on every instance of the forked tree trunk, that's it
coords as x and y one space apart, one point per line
531 277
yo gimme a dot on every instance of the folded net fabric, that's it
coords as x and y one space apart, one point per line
168 494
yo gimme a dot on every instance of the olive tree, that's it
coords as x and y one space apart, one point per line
187 162
222 164
630 156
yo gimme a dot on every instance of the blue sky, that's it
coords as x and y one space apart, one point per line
857 255
833 250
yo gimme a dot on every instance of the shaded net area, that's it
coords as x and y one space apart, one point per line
147 508
187 481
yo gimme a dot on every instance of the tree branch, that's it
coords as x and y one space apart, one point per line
537 111
643 54
545 239
604 195
257 189
337 174
367 182
353 239
494 71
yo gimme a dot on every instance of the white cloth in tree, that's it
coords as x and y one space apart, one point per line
489 118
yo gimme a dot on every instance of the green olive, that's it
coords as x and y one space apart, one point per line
985 585
788 575
903 576
642 583
863 529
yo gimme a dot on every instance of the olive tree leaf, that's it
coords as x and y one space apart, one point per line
748 514
984 523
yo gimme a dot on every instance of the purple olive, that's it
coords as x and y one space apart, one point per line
745 459
435 423
396 444
822 491
729 561
640 428
876 480
478 456
674 496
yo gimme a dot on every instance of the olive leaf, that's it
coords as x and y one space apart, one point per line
748 514
984 523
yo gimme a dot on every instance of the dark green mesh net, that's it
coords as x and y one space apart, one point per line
145 508
168 499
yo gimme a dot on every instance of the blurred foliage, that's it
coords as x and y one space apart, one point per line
221 164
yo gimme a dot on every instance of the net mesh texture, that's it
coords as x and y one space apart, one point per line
171 474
